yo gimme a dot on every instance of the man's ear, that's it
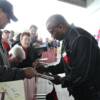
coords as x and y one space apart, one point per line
60 26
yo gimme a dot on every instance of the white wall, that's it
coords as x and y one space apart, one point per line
37 11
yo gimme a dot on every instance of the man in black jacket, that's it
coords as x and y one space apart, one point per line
79 59
6 72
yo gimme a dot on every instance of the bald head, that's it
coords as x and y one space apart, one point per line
55 20
57 26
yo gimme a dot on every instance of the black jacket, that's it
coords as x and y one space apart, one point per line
84 68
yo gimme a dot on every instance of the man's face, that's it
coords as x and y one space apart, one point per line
4 19
57 31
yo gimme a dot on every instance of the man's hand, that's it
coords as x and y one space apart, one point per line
57 80
39 67
29 72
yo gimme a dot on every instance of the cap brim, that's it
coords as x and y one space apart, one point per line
14 18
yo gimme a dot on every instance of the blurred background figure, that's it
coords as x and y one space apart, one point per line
23 55
24 45
33 32
16 39
5 40
11 35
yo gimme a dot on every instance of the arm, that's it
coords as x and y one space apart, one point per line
9 74
56 69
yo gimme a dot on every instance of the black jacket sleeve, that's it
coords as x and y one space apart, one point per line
56 69
9 74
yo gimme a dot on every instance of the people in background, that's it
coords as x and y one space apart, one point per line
33 32
5 40
6 72
11 40
48 43
26 55
80 60
16 39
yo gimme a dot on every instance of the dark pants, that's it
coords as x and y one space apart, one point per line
86 93
95 96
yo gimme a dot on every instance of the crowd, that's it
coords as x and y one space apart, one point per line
80 55
24 48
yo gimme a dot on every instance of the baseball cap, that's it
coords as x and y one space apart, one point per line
7 7
6 31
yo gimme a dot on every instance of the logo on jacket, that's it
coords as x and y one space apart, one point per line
66 58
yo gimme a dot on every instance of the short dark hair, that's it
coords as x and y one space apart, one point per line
25 34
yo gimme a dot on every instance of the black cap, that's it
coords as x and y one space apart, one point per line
7 7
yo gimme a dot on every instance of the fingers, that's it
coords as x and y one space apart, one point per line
29 72
57 80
